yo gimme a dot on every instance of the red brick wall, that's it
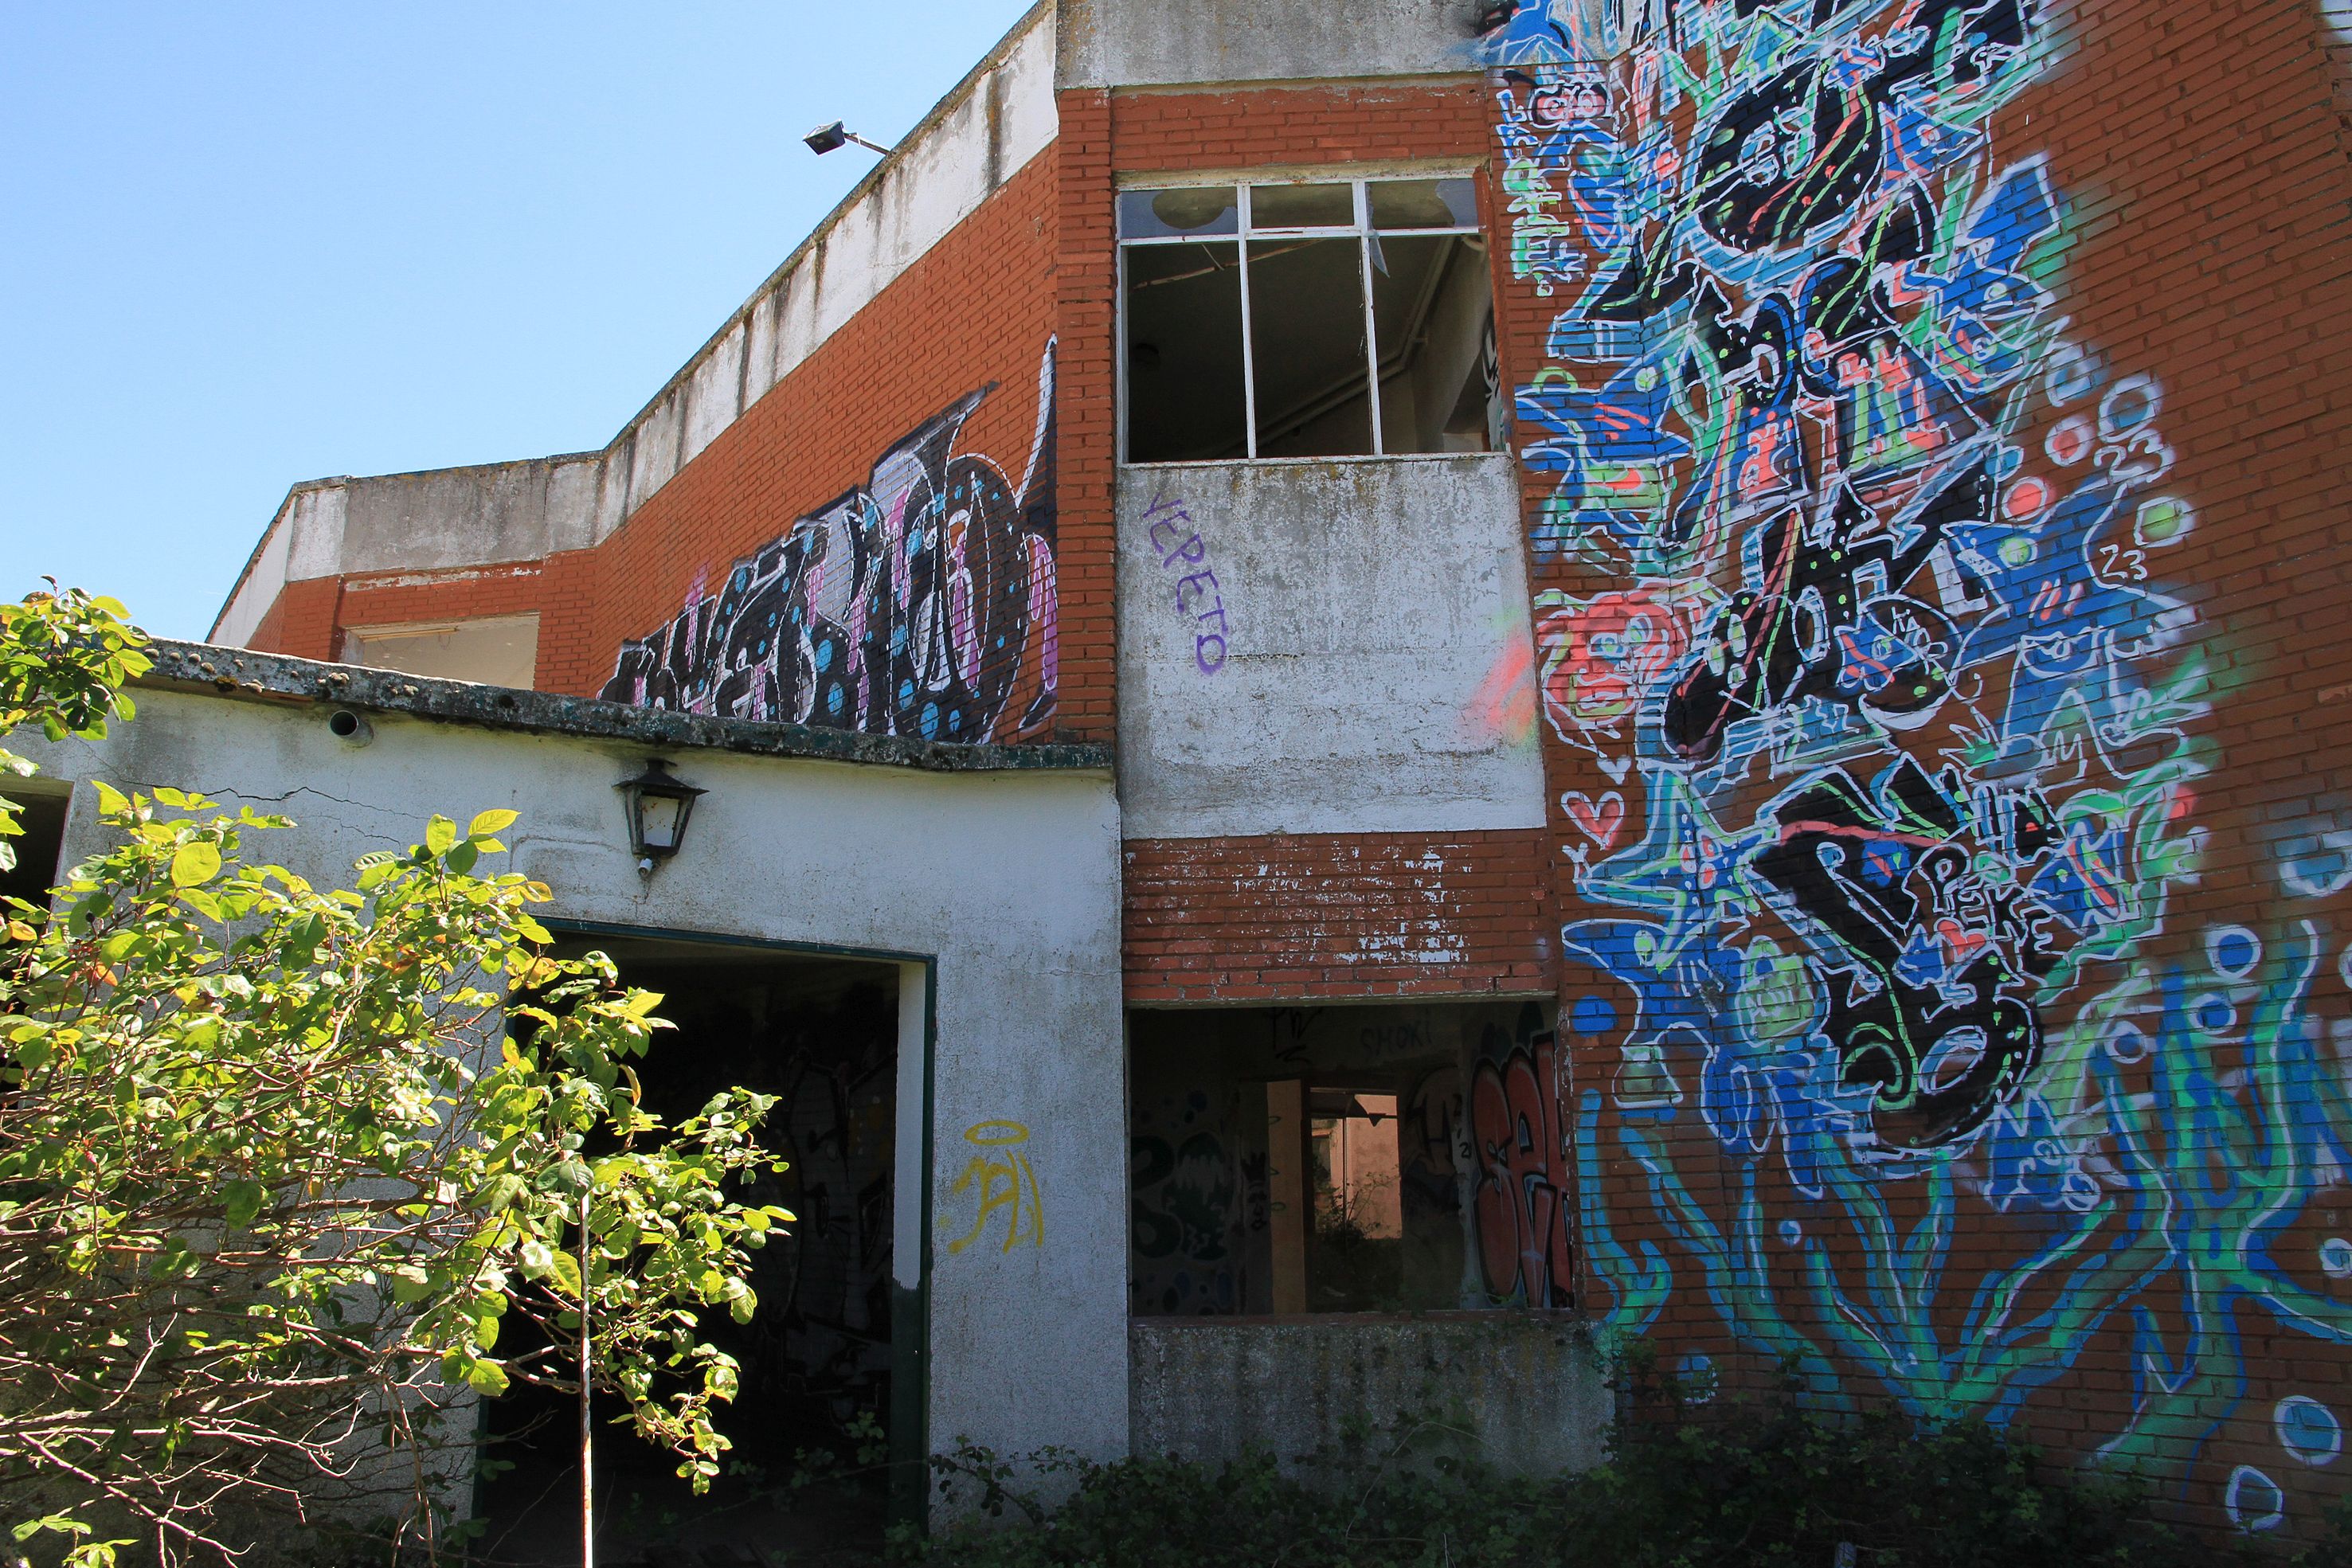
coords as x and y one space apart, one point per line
1247 128
393 599
2147 1196
1085 287
1332 916
304 621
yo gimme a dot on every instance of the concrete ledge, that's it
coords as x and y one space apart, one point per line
241 674
1528 1384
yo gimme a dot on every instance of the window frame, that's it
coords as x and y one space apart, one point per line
1243 183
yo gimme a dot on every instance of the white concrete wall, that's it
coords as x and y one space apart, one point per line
1010 879
1376 669
1138 43
987 130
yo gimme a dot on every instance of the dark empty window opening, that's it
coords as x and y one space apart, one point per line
1340 319
822 1358
38 848
1345 1159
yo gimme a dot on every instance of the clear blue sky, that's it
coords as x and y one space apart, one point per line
245 243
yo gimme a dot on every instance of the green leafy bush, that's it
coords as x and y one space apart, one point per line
290 1175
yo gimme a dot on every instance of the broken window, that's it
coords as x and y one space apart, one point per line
1338 318
1346 1160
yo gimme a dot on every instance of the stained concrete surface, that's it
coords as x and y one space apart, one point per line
1325 646
1527 1387
1135 43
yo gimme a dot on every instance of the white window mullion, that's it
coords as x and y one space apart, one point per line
1249 354
1371 334
1119 328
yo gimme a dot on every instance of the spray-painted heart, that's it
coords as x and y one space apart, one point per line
1960 943
1601 821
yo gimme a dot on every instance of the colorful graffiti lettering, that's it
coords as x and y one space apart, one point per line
1523 1197
1001 1181
1887 740
921 603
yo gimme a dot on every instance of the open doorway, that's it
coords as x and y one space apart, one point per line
810 1477
41 814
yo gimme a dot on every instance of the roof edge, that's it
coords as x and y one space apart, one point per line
242 675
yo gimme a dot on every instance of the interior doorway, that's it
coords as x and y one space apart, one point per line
816 1447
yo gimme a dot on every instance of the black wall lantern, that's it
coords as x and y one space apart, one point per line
659 807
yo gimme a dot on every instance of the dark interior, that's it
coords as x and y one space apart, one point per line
1306 345
1185 354
1431 312
817 1357
1372 1104
43 818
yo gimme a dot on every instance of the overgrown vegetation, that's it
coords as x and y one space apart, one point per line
1740 1485
284 1169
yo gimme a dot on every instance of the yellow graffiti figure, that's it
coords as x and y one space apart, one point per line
1000 1177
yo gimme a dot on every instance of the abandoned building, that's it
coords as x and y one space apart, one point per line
1389 694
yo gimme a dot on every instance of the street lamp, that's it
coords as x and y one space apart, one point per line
659 807
832 138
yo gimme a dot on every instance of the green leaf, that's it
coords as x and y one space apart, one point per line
487 1378
440 835
462 859
241 1202
194 864
491 822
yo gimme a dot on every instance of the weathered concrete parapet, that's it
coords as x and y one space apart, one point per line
1529 1386
275 677
1140 43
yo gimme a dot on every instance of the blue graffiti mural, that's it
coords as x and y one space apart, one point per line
1850 585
